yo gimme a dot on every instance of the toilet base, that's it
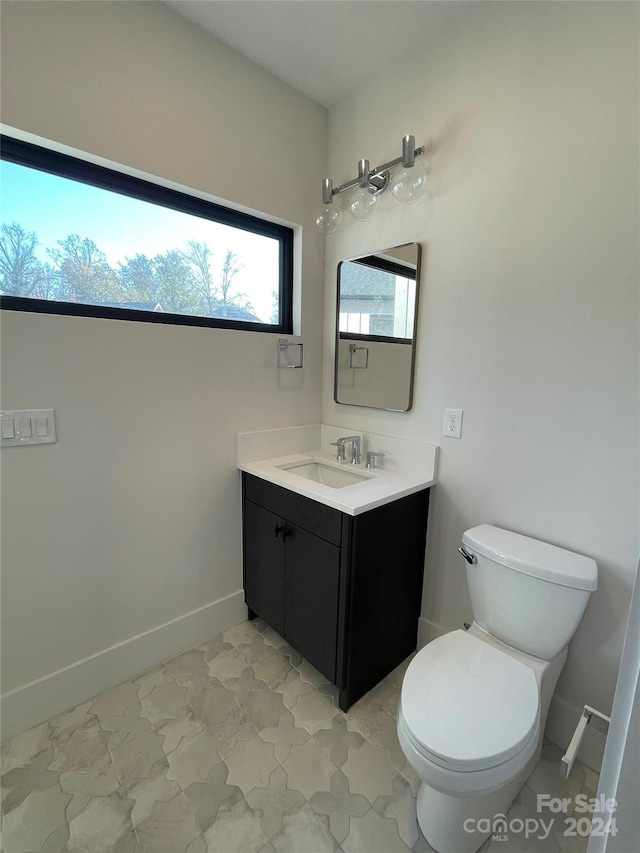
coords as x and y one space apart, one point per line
450 822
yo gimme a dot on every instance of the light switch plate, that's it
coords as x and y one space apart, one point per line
19 427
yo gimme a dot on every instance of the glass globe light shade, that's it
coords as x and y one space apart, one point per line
408 186
363 204
328 219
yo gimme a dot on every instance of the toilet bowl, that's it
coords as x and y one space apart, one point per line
473 705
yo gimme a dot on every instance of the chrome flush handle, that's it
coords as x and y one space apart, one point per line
470 558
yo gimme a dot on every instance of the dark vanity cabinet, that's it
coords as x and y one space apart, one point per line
343 590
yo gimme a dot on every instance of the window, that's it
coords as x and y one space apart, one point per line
78 238
377 299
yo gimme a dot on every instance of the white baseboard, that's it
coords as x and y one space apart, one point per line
428 631
33 703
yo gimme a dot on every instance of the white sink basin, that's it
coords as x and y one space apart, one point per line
299 459
327 475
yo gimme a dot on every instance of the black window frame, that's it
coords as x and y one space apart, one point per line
53 162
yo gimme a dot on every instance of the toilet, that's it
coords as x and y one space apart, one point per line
474 703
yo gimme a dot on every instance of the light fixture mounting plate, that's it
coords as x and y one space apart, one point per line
378 182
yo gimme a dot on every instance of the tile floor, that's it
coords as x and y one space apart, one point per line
233 747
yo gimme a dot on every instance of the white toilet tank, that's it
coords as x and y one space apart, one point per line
527 593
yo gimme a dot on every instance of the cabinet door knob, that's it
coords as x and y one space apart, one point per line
278 529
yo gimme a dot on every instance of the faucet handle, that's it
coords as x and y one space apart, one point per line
371 459
340 453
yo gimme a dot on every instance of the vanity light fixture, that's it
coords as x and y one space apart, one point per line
408 186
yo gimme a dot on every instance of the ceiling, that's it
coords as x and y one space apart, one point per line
323 48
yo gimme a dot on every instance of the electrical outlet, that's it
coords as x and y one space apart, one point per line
453 423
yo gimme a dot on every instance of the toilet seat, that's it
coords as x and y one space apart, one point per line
468 706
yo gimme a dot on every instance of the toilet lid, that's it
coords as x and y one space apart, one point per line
468 705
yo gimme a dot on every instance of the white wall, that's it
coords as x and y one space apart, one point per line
386 380
132 520
529 310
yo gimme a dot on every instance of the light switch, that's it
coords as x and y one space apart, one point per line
8 428
24 427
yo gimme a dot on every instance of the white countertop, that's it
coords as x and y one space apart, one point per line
381 486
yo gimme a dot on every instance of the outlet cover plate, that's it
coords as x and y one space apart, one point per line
453 423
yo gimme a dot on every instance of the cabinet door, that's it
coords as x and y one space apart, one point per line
311 599
264 564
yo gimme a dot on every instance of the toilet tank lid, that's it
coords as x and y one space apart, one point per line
532 557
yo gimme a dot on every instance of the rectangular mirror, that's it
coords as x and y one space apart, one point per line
376 328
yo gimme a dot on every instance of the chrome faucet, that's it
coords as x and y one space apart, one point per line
356 441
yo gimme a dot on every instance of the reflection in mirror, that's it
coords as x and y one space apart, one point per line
376 321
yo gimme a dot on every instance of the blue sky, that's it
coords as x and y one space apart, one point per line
122 227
